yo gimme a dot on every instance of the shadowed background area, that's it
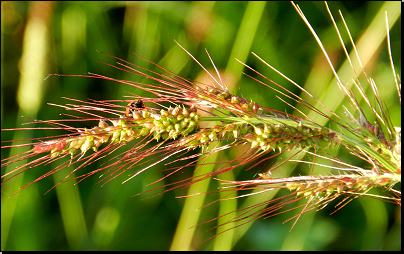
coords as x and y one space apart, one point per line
40 38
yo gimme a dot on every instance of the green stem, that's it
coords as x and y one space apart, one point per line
191 210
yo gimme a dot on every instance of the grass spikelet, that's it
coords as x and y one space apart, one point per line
329 144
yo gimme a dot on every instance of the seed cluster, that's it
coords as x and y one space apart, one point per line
326 185
216 98
389 149
88 139
374 136
169 124
280 136
216 133
174 122
266 137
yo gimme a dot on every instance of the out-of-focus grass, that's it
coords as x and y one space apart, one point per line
88 217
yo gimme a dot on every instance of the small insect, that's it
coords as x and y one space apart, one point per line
138 104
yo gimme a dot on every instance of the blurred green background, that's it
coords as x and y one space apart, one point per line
39 38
